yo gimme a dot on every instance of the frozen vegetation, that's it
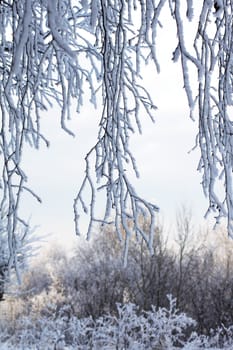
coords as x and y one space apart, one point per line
63 53
180 298
129 329
68 54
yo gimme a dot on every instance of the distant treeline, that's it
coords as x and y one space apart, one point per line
191 266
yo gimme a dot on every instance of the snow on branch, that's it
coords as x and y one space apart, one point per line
52 52
42 46
211 58
123 99
214 65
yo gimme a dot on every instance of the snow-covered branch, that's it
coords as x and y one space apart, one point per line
123 101
52 51
211 57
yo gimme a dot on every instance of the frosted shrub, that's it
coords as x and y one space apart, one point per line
221 338
166 326
121 331
49 332
129 329
145 330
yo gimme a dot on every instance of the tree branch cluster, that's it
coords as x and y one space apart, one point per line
52 51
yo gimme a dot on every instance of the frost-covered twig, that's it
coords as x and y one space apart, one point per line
123 100
42 46
212 59
52 52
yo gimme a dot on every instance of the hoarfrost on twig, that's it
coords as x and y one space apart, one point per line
52 51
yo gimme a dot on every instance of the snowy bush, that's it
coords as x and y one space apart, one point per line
129 329
222 338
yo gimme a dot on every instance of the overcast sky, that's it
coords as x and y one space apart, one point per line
168 172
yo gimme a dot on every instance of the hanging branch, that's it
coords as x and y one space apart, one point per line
42 44
50 52
213 62
123 99
53 51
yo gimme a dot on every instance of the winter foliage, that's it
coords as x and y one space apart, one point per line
52 52
80 302
130 329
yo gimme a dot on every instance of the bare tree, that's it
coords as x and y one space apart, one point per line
51 51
